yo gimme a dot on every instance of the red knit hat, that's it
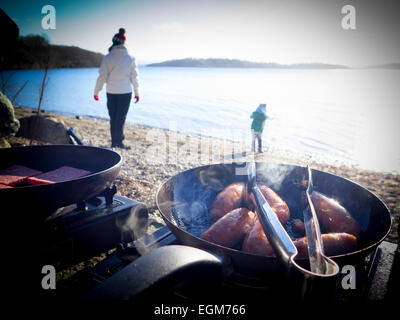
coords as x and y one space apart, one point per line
119 38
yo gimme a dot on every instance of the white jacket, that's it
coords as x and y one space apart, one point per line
118 69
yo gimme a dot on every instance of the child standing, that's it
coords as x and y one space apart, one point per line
257 126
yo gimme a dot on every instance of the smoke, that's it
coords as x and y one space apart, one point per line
215 177
191 193
134 226
273 174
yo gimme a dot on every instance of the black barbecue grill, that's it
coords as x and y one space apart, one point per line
374 277
90 228
118 277
96 220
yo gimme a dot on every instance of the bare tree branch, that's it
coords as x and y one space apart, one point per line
19 91
42 88
4 82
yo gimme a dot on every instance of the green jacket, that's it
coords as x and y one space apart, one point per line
258 121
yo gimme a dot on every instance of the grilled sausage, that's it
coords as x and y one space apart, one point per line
227 200
299 225
276 203
256 241
332 216
334 244
231 228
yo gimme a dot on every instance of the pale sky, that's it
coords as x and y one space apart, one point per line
279 31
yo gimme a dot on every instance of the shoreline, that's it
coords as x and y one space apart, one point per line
283 153
158 154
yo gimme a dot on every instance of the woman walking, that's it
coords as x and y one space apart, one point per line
118 70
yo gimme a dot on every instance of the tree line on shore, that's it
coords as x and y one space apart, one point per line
35 52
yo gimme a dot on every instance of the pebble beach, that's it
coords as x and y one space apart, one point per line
158 154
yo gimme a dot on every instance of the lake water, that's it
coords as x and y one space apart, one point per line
350 116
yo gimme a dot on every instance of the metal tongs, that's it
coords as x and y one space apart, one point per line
319 263
279 239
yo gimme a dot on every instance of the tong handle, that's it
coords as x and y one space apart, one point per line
319 263
283 246
314 240
275 232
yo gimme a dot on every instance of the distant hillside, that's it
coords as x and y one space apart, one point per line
232 63
33 52
393 65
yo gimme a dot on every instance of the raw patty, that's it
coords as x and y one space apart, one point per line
58 175
16 174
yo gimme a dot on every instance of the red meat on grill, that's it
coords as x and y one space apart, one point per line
16 174
4 186
58 175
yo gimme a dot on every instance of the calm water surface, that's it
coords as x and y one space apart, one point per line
345 115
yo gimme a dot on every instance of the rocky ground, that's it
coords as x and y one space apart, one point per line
157 155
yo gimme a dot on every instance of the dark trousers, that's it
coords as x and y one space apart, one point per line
118 106
256 135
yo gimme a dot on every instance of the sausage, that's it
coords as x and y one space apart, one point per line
299 225
334 244
231 228
227 200
256 241
276 203
332 216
